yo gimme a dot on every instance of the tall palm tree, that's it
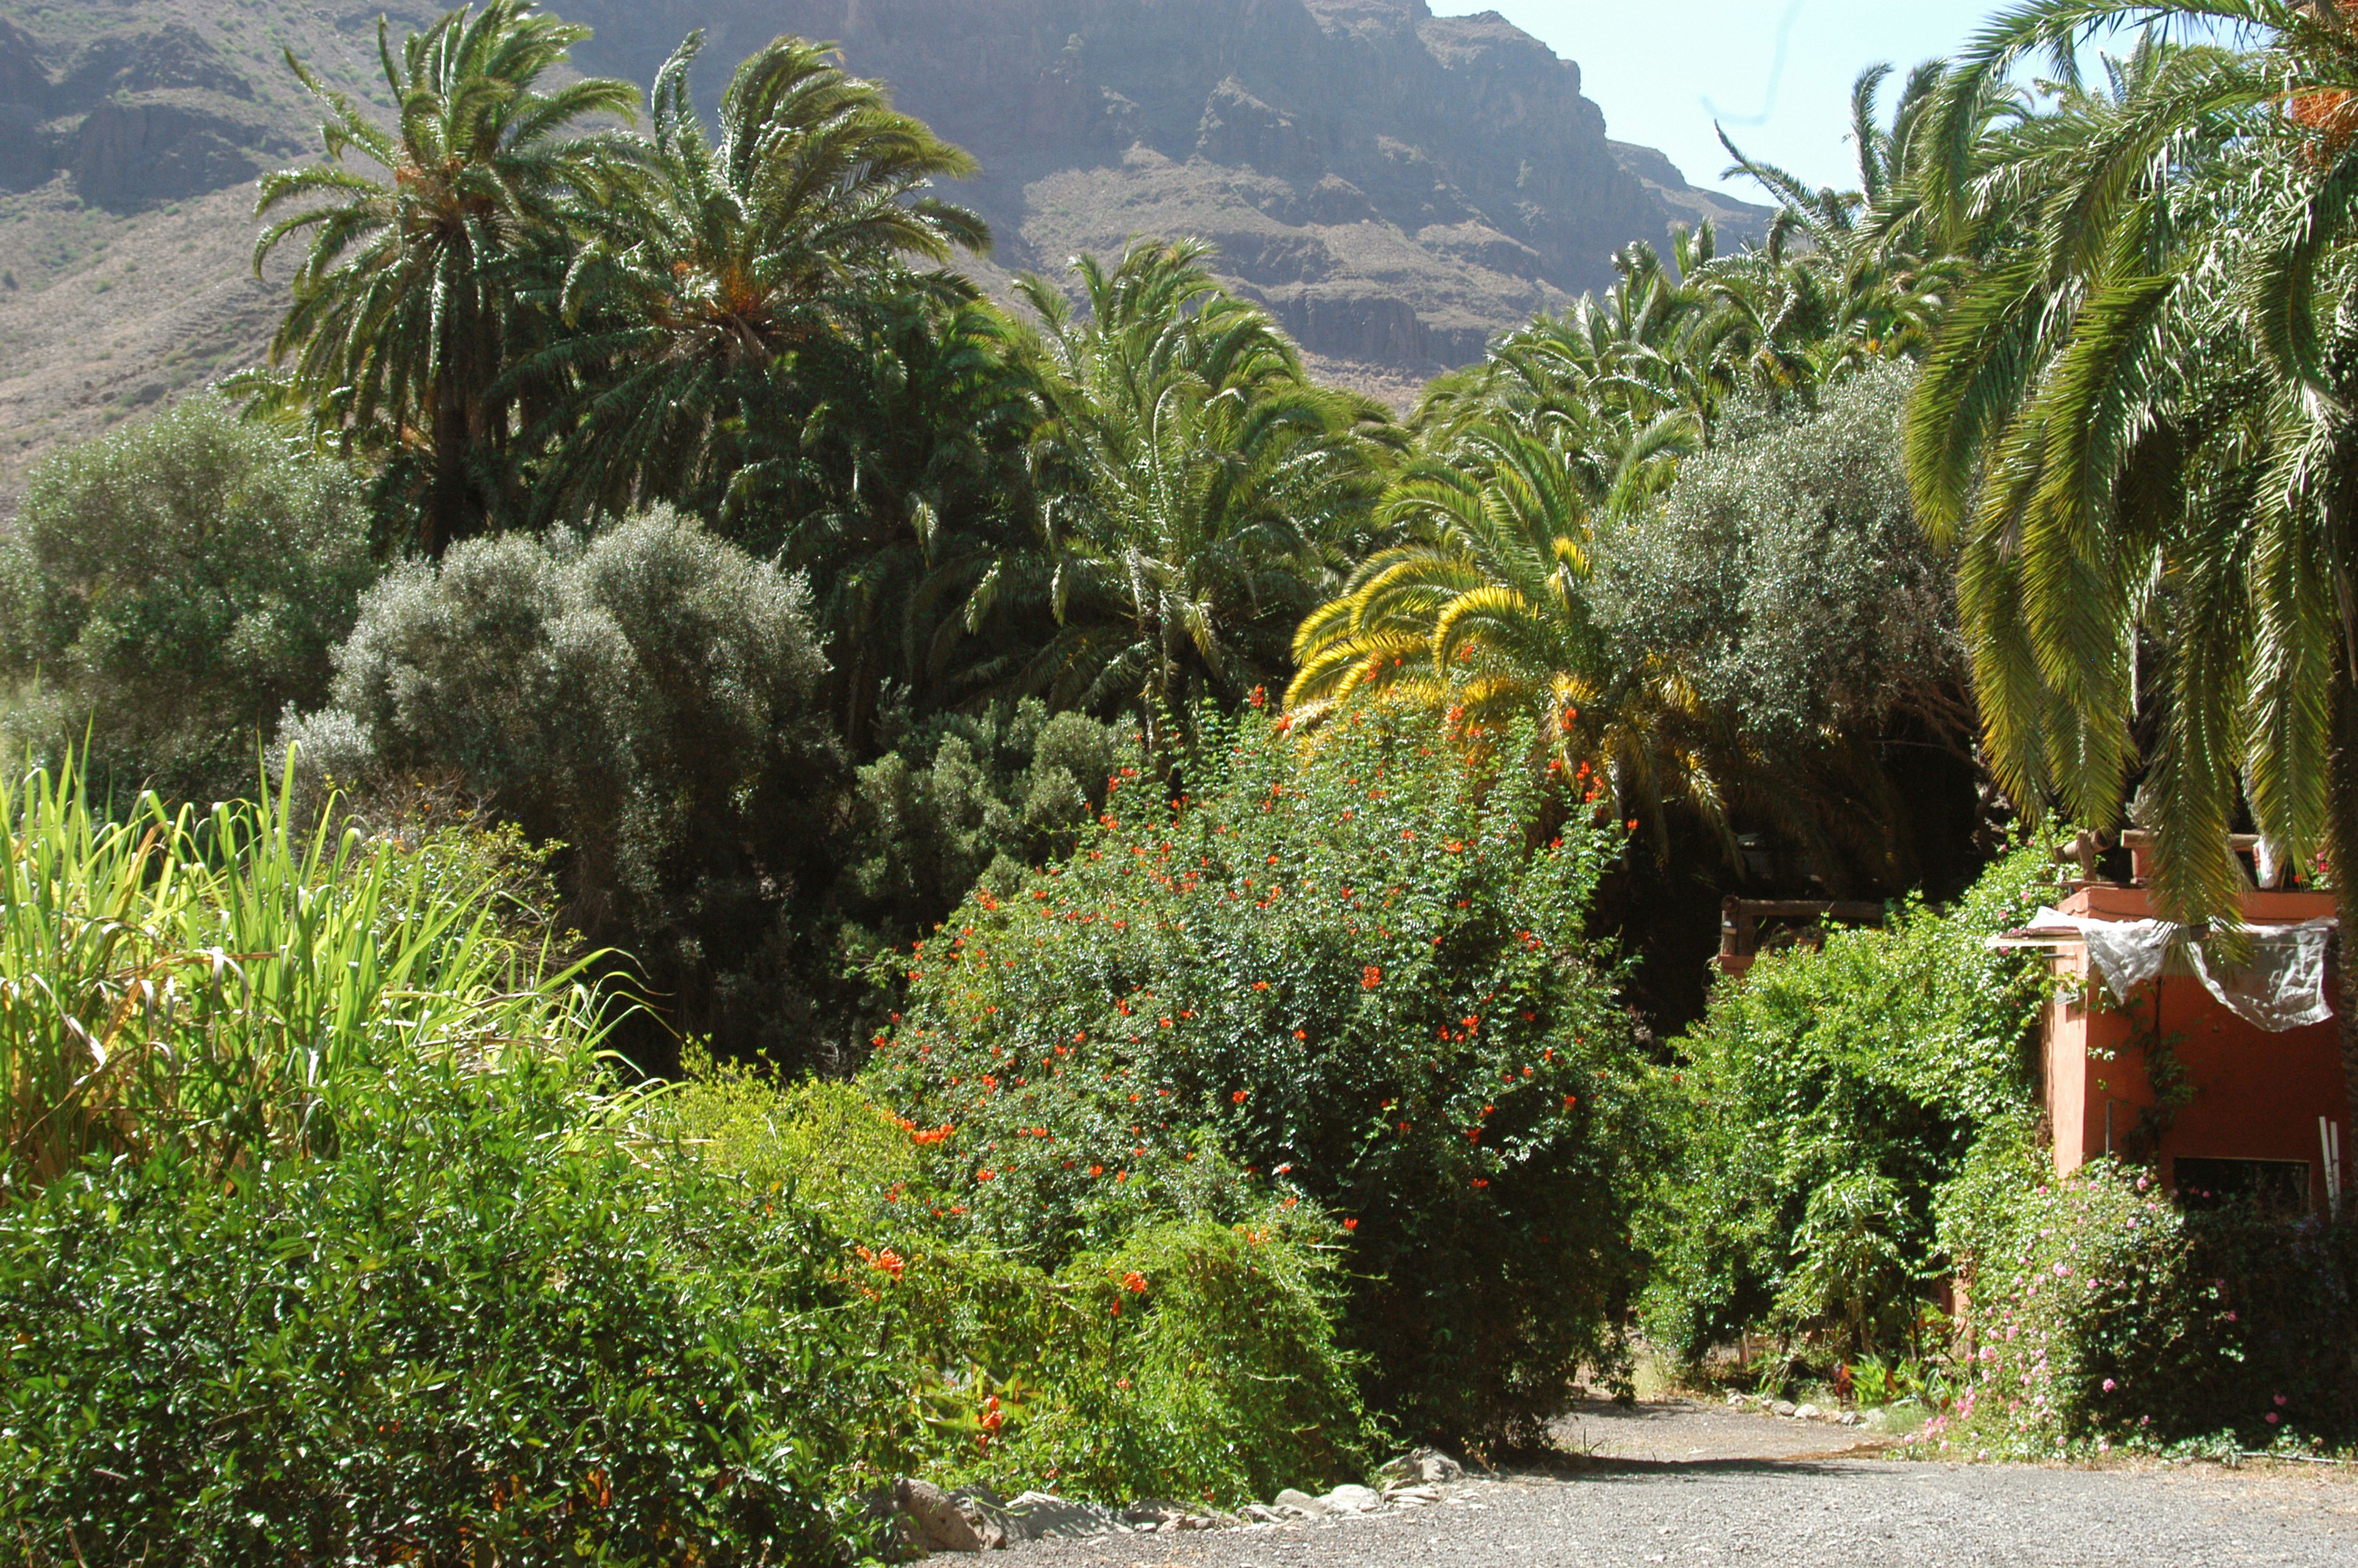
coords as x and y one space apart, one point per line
1200 493
1485 609
740 260
1844 276
1637 356
918 452
2139 421
425 284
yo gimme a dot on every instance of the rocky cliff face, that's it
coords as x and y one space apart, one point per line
1394 185
144 114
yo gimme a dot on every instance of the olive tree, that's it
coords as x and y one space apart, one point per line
168 589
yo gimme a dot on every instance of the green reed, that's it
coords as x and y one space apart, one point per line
218 982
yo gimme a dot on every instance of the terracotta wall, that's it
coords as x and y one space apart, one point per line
2256 1096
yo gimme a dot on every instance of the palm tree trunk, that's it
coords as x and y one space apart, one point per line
2342 862
445 502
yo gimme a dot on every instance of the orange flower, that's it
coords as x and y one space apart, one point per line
1238 1097
1134 1282
1260 985
1350 1224
1370 977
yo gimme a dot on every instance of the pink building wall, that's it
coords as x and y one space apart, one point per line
2256 1096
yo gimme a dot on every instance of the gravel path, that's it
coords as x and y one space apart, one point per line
1678 1484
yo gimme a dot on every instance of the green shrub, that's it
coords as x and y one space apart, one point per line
167 589
484 1330
642 697
1190 1358
1785 580
1342 967
1196 1360
319 1243
1813 1113
962 799
1786 576
2103 1314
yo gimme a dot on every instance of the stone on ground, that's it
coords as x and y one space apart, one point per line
941 1524
1044 1515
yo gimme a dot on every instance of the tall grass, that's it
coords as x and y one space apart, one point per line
213 981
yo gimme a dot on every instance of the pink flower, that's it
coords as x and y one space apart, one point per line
2230 1317
2281 1401
2109 1385
2272 1418
2062 1269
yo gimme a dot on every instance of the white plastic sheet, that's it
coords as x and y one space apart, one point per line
2281 986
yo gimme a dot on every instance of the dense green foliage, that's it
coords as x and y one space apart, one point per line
2108 1315
1676 537
644 698
966 800
204 988
728 255
425 285
1202 488
165 591
1812 1118
1180 1358
2137 424
315 1244
356 1252
1346 966
1807 617
864 667
480 1327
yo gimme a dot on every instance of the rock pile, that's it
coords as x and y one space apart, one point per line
928 1518
1787 1409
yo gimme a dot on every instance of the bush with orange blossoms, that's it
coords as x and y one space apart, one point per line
1307 980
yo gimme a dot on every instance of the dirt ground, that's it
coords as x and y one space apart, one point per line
1674 1482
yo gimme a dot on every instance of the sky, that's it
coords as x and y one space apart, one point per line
1776 73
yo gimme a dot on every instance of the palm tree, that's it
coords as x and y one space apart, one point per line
738 261
917 451
2139 422
1200 492
1485 610
1844 276
422 286
1638 357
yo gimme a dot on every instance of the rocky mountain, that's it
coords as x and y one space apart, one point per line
1396 186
